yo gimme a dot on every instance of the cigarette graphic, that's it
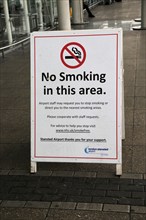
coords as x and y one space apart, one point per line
76 51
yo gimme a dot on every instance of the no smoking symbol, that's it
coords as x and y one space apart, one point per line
73 55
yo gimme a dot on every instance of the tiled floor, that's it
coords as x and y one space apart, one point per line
15 136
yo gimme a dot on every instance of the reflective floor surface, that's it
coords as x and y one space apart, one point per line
127 25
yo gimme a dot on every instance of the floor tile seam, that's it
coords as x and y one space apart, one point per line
51 173
123 208
128 190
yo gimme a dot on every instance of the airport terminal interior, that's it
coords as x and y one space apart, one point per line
68 189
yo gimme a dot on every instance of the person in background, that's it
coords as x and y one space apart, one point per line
85 6
1 8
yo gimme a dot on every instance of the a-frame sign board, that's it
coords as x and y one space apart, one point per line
76 97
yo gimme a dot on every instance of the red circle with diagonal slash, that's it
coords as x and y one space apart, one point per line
79 62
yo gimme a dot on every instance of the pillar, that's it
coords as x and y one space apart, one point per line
77 11
26 16
7 20
63 15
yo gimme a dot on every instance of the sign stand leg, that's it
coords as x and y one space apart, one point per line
33 167
119 169
123 110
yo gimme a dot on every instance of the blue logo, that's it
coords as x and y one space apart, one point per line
92 150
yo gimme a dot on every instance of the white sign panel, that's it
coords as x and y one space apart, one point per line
76 98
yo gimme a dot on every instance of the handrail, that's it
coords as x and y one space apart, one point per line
2 49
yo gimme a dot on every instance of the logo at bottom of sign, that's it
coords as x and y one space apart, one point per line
96 150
